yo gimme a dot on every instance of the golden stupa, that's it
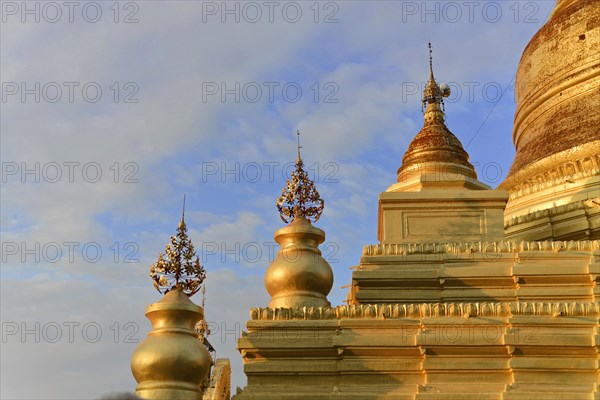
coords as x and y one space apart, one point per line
435 149
299 275
173 362
554 182
445 306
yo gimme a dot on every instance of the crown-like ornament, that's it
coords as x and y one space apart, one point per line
179 266
300 197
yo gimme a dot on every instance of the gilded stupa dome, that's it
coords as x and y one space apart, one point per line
556 133
557 93
435 143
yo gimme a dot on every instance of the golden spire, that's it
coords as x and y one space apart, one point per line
299 147
300 196
431 63
182 222
433 95
176 268
435 149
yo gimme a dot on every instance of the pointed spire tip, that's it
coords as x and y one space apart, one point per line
299 147
430 61
183 212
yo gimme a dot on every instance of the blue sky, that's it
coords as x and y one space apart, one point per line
119 109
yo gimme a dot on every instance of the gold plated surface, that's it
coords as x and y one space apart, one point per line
435 149
557 86
557 128
425 310
300 197
475 319
171 363
177 267
299 275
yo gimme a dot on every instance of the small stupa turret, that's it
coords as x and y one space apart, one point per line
435 155
171 363
437 195
299 275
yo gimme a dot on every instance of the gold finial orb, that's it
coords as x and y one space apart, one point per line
300 197
445 90
299 276
177 268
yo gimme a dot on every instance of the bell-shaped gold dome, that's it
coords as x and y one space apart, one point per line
299 276
557 128
557 86
436 144
171 362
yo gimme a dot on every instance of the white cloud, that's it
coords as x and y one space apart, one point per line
85 333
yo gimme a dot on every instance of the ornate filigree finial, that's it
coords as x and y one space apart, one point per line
300 196
434 93
176 268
